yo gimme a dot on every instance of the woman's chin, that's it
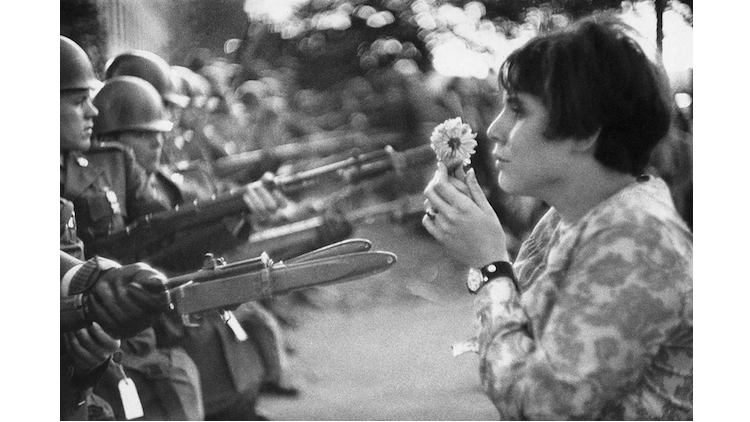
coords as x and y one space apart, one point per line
506 184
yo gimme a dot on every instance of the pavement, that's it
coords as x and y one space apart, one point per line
379 348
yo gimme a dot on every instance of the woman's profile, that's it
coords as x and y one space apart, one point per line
594 318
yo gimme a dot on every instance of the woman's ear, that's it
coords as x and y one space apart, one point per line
585 145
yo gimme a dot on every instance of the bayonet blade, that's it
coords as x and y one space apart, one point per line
280 278
343 247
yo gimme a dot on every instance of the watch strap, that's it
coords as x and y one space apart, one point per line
498 269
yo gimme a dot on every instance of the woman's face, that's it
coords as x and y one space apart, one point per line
147 147
529 163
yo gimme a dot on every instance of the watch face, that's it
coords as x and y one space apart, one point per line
474 280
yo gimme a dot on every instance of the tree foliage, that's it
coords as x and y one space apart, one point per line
79 22
333 39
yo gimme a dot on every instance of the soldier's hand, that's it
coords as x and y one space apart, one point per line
260 200
335 228
89 347
128 299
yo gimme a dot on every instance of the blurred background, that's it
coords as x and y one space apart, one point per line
355 66
348 77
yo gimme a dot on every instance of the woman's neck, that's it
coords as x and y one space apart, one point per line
587 187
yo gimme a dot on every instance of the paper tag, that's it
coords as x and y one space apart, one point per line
239 333
131 403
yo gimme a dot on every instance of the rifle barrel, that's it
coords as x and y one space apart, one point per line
311 147
395 160
309 175
153 228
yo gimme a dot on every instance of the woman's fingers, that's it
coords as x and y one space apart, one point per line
476 192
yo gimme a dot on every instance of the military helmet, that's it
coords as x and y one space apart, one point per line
192 84
76 70
129 103
150 67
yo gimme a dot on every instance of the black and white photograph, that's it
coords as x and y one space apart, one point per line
400 210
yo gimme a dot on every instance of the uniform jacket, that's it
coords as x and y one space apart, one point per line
69 241
107 188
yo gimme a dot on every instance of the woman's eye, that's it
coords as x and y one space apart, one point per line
516 107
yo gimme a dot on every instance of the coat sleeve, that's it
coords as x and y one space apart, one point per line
581 340
67 262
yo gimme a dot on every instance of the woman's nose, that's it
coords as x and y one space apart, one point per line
496 132
495 151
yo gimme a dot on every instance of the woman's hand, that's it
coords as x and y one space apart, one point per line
460 217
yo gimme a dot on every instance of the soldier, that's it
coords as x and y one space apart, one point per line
155 70
133 115
109 190
106 188
100 302
231 368
194 125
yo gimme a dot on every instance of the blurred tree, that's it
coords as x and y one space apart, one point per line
338 39
200 25
79 21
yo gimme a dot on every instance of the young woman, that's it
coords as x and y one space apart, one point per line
593 320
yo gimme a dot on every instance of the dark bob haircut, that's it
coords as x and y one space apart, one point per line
593 75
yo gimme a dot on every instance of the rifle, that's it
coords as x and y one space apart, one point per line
139 238
219 285
309 234
251 165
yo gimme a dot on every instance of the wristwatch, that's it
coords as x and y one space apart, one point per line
479 277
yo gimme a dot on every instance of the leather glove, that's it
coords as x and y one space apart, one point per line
124 300
335 228
128 299
89 347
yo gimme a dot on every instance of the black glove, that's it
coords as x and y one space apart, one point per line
127 300
123 300
335 228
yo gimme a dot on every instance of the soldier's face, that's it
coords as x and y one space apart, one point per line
147 147
77 114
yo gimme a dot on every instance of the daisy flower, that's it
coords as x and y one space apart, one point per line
453 143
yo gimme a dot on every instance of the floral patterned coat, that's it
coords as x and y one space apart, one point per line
603 325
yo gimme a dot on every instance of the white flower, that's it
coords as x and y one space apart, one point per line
453 143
